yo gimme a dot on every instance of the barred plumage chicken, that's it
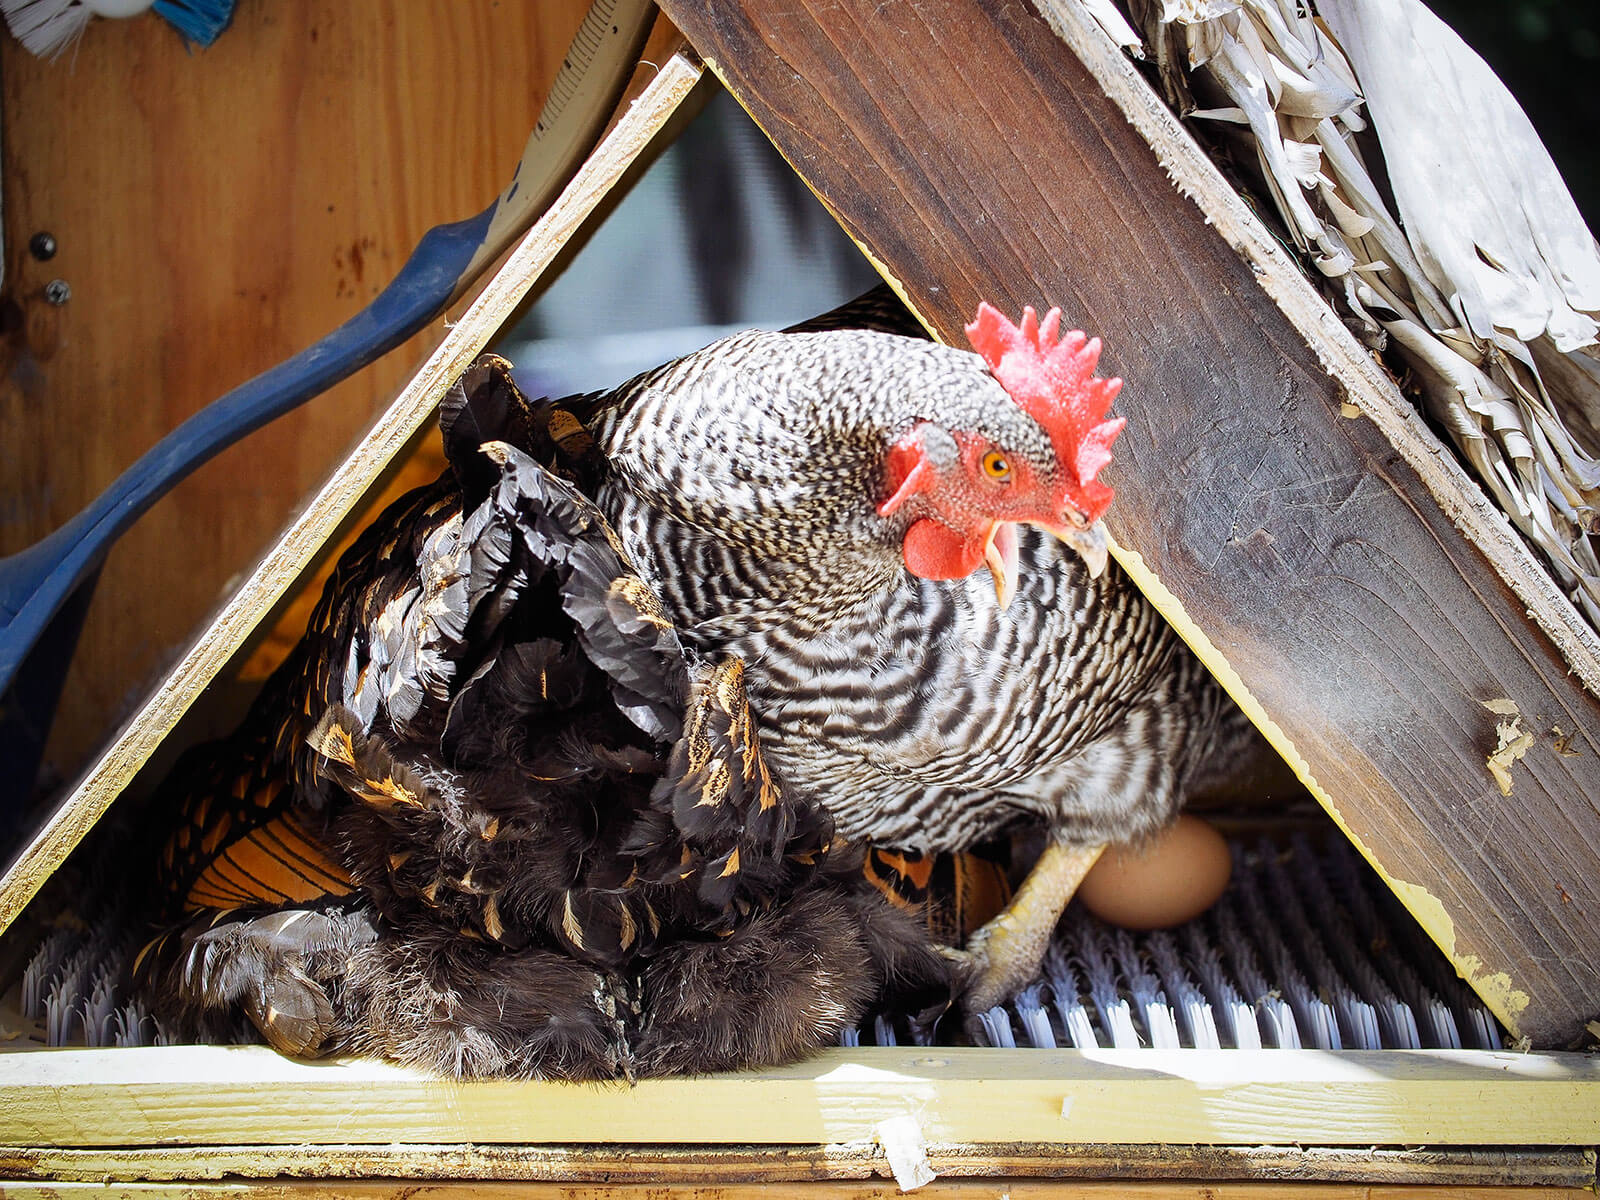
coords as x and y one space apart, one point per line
818 503
490 818
814 506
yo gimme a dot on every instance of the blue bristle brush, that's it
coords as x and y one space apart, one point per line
49 27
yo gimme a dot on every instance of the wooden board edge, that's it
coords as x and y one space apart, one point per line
1105 1189
817 1190
1497 989
249 1095
646 113
745 1165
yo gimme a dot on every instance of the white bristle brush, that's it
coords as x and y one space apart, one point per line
47 28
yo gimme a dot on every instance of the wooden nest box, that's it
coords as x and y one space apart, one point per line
1280 502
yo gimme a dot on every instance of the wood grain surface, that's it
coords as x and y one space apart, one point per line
939 1190
974 156
656 92
216 212
758 1164
231 1095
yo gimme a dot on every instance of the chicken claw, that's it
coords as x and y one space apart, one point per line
1005 953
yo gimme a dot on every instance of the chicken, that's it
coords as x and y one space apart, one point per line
812 512
490 818
820 503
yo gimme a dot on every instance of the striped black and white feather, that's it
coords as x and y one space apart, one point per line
736 618
745 480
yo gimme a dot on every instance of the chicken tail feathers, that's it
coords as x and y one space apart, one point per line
618 620
484 405
363 766
280 968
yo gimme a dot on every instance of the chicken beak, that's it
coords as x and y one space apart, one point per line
1090 544
1000 553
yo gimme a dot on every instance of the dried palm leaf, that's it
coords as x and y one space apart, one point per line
1482 276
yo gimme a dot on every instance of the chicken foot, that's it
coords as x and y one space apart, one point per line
1005 953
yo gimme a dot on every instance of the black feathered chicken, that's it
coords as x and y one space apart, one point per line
491 817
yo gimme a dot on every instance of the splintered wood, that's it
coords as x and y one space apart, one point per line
1513 742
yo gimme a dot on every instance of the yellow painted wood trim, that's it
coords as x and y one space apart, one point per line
230 1095
940 1190
1557 1167
1495 988
138 739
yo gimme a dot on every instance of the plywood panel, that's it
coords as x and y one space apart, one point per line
216 212
656 92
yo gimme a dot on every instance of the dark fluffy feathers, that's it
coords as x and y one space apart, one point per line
554 844
275 967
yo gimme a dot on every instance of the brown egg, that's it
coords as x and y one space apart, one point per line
1169 880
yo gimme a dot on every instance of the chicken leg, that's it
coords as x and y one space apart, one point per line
1005 953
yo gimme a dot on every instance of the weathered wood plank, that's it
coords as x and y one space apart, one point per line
167 1096
1313 564
1056 1190
653 99
726 1165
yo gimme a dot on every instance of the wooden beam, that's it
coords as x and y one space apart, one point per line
645 111
230 1095
728 1165
1338 572
1055 1190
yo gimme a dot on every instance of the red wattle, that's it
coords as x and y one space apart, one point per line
935 551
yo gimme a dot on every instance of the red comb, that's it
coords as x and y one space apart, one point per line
1055 384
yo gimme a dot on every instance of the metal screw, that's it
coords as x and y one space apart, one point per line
58 291
42 246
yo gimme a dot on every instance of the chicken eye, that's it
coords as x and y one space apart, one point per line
996 467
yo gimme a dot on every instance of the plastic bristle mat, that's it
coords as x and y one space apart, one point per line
72 991
1305 949
73 986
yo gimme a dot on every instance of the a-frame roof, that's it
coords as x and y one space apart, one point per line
1337 571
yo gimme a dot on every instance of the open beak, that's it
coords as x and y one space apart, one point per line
1000 553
